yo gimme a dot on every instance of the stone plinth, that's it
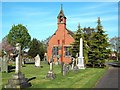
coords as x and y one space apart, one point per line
50 75
18 81
81 63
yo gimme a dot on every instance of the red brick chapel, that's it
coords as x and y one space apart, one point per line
59 43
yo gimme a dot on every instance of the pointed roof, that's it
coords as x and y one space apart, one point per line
61 13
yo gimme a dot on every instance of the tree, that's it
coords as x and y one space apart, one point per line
115 44
99 46
19 34
6 46
76 45
36 47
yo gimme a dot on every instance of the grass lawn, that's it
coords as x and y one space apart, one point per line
82 79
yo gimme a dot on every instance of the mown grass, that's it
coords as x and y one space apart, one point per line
81 79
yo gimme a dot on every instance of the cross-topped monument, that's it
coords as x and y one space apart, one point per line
18 80
50 73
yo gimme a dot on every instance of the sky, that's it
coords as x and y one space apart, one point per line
40 18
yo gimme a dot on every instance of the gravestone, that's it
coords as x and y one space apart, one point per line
50 73
81 58
76 63
37 61
65 69
4 64
18 80
45 57
58 60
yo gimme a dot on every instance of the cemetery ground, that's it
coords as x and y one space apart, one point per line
83 78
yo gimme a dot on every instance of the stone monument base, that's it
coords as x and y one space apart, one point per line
50 75
18 81
81 66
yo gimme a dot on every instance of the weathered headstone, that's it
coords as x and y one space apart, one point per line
37 61
64 70
81 58
45 57
4 67
58 60
76 62
18 80
50 73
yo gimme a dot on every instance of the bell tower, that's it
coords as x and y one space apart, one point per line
61 19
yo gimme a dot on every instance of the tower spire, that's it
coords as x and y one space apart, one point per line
61 12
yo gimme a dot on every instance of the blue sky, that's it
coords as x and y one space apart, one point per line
40 18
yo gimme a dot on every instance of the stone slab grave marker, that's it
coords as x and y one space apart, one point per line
37 60
4 64
50 73
58 60
18 80
66 69
81 58
76 67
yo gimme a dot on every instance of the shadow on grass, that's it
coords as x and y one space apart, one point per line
11 68
31 79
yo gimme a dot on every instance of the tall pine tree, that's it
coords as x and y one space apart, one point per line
76 45
99 46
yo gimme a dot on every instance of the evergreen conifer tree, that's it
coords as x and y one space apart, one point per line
98 46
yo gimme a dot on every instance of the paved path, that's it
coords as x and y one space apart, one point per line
110 79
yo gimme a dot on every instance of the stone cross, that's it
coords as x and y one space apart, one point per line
18 80
18 48
81 58
50 73
51 64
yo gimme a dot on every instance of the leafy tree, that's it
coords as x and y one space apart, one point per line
19 34
6 46
43 49
36 47
115 44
